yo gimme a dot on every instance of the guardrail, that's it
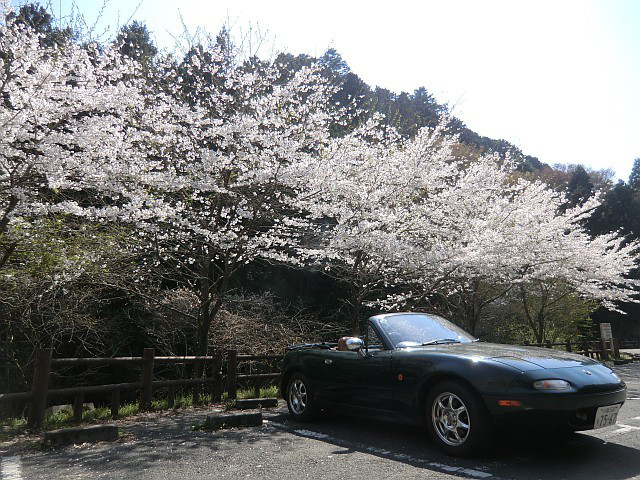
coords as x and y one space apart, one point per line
40 392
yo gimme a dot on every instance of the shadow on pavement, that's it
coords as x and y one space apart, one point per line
148 444
521 456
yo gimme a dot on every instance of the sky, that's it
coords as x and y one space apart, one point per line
558 78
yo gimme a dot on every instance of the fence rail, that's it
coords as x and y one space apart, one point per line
629 344
40 392
598 349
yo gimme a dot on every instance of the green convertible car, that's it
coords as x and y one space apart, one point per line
421 369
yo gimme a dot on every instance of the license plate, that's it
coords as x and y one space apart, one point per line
606 416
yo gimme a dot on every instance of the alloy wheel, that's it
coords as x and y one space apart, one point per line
298 396
450 419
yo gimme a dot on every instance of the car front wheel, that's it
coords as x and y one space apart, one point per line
458 420
300 402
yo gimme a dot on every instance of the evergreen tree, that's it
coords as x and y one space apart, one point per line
619 211
427 109
334 64
579 186
37 18
135 42
634 178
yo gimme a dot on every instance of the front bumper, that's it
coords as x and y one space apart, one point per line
549 411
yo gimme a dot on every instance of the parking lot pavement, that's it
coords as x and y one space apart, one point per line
337 447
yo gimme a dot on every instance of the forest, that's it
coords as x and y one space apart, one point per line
206 198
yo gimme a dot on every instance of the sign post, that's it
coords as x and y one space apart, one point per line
606 336
605 331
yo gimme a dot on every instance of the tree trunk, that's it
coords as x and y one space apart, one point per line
357 296
204 325
355 320
473 321
527 312
541 329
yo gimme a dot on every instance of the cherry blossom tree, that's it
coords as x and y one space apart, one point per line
518 238
369 189
231 147
64 128
415 221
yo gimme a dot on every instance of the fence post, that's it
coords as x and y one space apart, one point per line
78 403
256 389
216 387
196 393
39 387
147 377
615 348
568 346
171 397
603 349
115 403
526 343
548 344
232 373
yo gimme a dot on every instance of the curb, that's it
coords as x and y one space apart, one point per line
256 403
70 436
232 420
622 361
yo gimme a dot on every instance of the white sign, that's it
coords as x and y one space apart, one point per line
605 331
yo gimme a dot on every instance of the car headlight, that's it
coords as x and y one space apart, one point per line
551 385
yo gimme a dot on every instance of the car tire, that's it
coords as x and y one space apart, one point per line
458 420
300 401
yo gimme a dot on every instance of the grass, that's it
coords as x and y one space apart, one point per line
13 426
268 392
9 427
65 418
129 410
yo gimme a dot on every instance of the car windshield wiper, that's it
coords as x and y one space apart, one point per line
441 341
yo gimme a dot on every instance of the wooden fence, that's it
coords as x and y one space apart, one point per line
598 349
40 393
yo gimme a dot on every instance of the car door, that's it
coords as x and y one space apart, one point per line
360 381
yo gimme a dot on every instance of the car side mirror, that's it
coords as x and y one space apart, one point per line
355 344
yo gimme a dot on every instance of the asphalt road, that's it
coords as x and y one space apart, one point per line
336 448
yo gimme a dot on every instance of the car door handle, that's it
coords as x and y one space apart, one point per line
328 362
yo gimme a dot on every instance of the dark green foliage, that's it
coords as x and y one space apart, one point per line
634 177
37 17
579 187
135 42
292 63
407 112
619 211
334 65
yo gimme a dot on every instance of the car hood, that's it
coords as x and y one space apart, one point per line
522 358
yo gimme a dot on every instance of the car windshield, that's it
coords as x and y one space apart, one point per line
421 329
